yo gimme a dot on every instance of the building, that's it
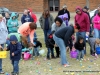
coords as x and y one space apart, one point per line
52 5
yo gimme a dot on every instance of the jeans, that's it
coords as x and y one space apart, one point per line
60 43
15 66
96 33
82 34
1 60
50 50
36 51
46 32
80 54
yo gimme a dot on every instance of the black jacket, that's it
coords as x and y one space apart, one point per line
38 43
79 46
50 42
61 12
65 34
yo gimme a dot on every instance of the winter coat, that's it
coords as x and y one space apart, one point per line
3 32
64 16
96 23
15 48
42 21
83 21
12 24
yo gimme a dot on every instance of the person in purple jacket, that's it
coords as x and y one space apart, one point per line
64 18
82 19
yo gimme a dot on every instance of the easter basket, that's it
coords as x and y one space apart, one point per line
73 53
3 54
98 50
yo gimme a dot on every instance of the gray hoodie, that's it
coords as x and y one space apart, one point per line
56 28
3 32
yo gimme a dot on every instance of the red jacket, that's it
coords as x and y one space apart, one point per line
83 21
33 15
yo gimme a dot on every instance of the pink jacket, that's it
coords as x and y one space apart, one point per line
96 22
24 30
83 21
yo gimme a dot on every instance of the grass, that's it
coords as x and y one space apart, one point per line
40 66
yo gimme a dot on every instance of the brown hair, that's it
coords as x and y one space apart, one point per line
46 15
33 25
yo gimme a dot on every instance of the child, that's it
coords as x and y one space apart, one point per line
15 53
36 47
79 46
50 45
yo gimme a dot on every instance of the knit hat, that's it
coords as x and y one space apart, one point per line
64 6
1 16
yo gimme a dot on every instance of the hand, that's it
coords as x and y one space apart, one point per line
0 46
5 49
13 54
55 45
87 33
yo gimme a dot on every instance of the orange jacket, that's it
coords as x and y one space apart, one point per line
24 30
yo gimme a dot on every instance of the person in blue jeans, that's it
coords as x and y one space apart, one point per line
15 48
61 38
3 37
80 46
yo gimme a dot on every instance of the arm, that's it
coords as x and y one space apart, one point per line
51 19
22 20
19 48
87 22
53 27
40 20
9 24
68 16
31 36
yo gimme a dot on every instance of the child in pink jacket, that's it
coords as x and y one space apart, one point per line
28 29
96 22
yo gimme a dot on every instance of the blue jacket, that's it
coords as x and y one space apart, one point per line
26 18
15 48
12 24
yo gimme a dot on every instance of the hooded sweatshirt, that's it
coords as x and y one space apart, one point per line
26 18
14 48
24 30
83 20
64 16
33 15
12 24
96 23
3 32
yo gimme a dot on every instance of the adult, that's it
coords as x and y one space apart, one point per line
27 31
82 19
46 21
63 11
57 25
96 22
3 37
61 38
12 23
64 17
96 12
26 17
85 9
34 17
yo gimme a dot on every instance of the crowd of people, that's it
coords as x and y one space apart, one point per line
58 34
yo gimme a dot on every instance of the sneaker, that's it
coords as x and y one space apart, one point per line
2 72
66 65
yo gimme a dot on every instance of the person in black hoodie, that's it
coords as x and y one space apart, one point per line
63 11
61 38
80 46
50 45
